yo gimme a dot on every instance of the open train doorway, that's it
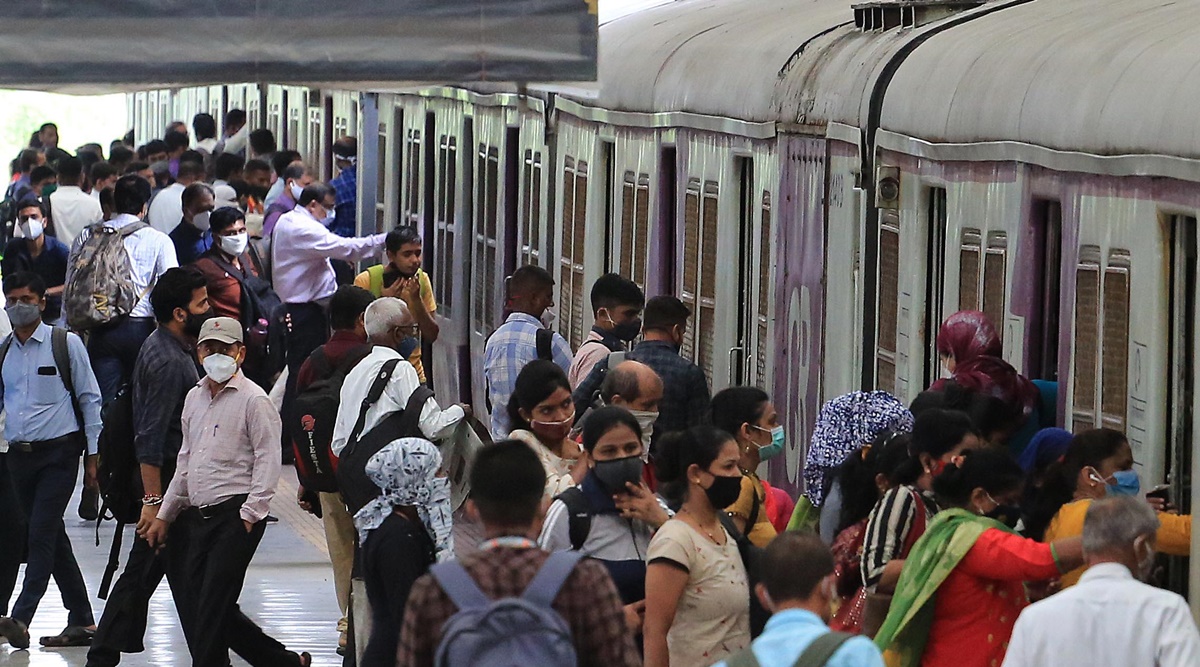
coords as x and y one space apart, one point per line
1181 410
1047 275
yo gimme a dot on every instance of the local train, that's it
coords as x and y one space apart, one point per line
822 183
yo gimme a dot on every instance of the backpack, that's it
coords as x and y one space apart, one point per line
751 555
264 319
544 342
511 631
579 516
119 476
816 654
357 489
312 417
100 289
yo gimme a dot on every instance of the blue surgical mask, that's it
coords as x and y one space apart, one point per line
1125 483
407 347
775 448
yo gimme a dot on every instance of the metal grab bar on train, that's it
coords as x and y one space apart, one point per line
732 350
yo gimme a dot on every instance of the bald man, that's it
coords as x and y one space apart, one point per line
637 388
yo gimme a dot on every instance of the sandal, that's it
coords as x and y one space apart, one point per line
73 635
305 659
15 632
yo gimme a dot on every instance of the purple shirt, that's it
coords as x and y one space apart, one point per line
301 248
277 209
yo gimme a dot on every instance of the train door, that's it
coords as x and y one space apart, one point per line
486 243
936 223
749 358
1181 415
1043 330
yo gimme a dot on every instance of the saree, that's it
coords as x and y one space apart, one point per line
946 541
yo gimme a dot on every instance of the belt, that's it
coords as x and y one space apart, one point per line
30 445
217 509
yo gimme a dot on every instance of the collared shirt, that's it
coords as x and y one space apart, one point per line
279 205
789 633
235 144
346 187
73 209
166 208
275 191
336 349
1108 618
206 145
435 422
51 265
685 400
888 528
508 349
588 602
36 402
302 247
224 291
598 344
189 242
162 377
150 252
215 463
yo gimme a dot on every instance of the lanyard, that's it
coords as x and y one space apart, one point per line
509 542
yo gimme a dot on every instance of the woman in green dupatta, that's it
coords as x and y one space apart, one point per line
961 588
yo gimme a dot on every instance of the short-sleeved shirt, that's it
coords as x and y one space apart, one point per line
712 619
762 532
558 469
1174 533
363 280
51 266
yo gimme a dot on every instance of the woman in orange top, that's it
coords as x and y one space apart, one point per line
1098 463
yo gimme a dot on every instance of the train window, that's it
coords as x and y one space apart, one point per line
486 254
380 181
1115 341
968 270
531 208
762 343
412 180
570 284
995 269
691 251
888 308
699 271
708 280
628 203
635 226
1087 338
445 225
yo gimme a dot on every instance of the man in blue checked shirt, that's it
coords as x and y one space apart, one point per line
47 430
514 344
798 587
345 156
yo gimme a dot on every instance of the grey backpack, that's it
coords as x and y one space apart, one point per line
101 289
509 632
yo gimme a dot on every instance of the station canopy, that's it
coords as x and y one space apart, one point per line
102 46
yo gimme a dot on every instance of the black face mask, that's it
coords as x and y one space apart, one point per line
1008 515
191 326
724 491
627 331
615 473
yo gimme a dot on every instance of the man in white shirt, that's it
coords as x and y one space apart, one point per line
1110 617
72 208
393 332
166 209
205 127
114 347
235 134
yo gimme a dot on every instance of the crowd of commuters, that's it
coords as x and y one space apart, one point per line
625 520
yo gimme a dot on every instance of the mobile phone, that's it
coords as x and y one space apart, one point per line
1162 491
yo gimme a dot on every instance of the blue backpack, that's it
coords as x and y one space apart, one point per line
509 632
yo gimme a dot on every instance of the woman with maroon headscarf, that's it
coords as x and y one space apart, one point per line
1006 406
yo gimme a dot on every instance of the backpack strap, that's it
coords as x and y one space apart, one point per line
545 339
62 359
818 653
375 274
743 658
550 579
459 585
3 354
755 506
373 394
579 513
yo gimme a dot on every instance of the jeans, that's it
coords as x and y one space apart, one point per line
114 350
12 536
44 480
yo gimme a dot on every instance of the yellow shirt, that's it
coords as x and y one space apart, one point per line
762 532
363 280
1174 535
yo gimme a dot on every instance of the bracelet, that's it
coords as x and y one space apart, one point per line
151 501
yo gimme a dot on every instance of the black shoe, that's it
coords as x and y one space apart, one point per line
89 504
15 632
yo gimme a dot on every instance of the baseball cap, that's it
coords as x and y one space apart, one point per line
221 329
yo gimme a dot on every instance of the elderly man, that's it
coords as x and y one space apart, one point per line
1090 623
637 388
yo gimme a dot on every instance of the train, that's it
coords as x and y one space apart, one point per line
822 183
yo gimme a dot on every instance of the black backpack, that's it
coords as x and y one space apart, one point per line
119 475
264 319
579 516
312 417
358 489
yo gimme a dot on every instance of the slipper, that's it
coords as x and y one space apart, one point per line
15 632
73 635
305 659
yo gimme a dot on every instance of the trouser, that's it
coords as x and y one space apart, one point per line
12 536
310 330
207 564
44 479
339 536
114 349
389 574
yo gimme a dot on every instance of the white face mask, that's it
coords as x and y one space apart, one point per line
200 220
548 317
645 420
220 367
234 245
296 190
330 217
32 228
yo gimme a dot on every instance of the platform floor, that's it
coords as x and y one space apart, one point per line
288 591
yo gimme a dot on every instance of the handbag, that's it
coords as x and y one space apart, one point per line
876 605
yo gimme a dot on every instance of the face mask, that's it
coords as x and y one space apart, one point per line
259 192
296 190
1008 515
645 420
626 331
615 473
191 326
938 466
775 448
48 190
407 346
553 430
23 314
329 219
200 220
32 228
548 317
220 367
724 491
234 245
1125 483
